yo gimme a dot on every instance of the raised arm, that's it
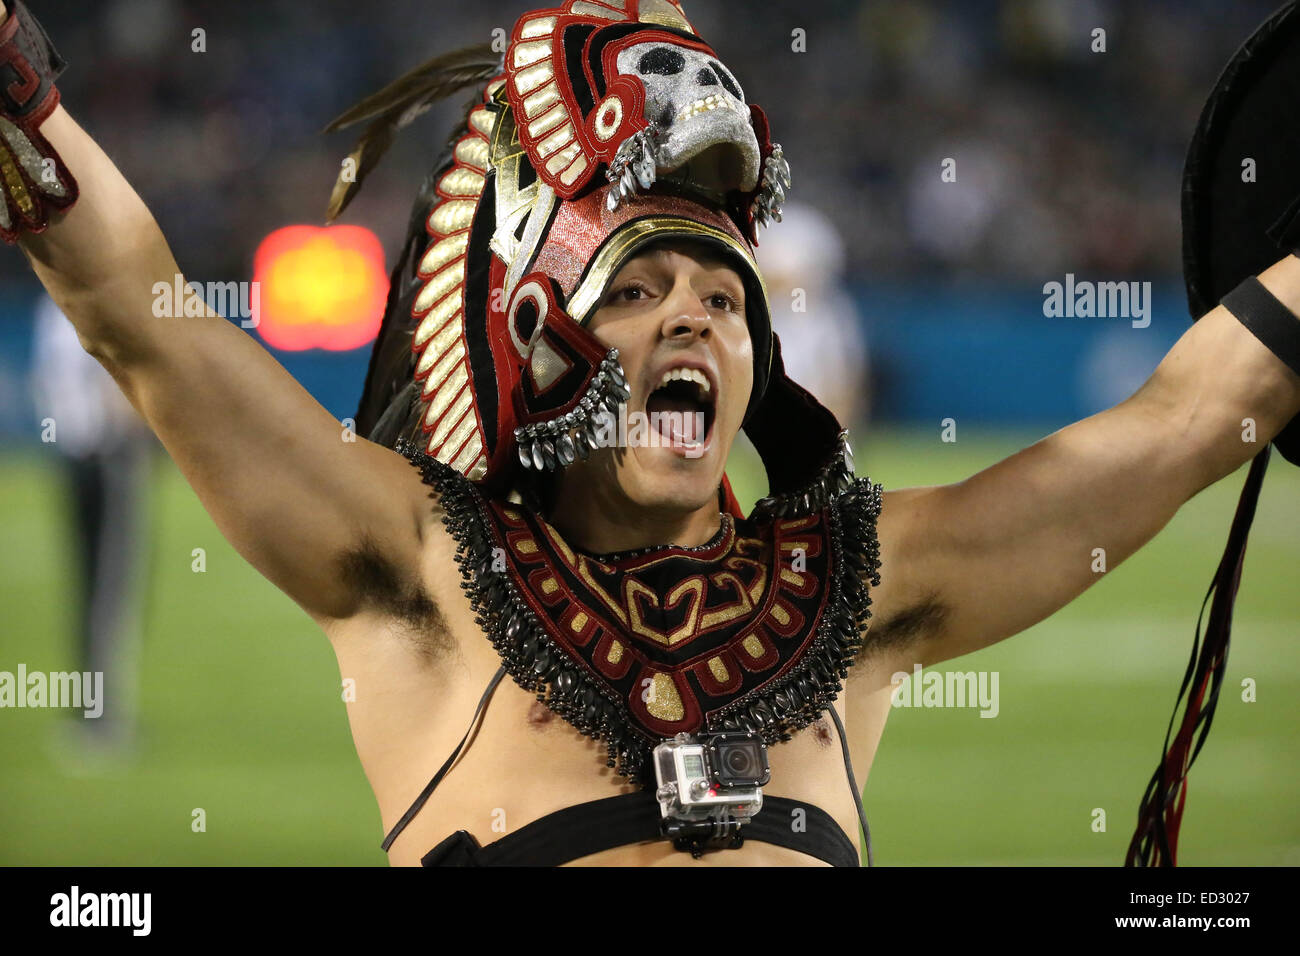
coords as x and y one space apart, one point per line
274 469
968 564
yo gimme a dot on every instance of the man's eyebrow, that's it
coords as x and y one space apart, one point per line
704 256
732 277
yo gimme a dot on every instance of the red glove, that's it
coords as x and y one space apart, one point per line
34 182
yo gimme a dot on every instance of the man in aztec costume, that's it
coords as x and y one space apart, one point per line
576 332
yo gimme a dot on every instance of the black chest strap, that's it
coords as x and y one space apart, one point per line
629 818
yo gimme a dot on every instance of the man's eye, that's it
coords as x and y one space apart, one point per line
723 300
628 293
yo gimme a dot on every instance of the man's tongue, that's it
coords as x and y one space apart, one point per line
679 419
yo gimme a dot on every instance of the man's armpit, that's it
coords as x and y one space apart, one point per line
903 631
395 594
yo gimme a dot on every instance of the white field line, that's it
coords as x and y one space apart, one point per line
1135 648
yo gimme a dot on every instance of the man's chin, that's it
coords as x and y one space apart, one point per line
672 478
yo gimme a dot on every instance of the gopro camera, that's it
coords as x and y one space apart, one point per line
709 786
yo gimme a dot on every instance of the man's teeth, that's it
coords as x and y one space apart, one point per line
713 101
685 375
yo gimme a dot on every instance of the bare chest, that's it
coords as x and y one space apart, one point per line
414 704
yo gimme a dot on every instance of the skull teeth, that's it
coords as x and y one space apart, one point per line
713 101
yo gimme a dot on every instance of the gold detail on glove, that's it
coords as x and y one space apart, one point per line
15 186
25 181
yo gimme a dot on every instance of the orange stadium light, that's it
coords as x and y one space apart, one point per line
319 287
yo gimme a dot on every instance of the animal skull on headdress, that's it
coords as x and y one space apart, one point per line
699 111
628 84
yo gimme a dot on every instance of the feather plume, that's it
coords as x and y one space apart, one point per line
398 104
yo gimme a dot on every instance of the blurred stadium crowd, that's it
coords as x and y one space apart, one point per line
1075 154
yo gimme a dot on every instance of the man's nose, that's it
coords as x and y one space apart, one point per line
687 318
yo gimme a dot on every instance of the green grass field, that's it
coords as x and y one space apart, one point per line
241 713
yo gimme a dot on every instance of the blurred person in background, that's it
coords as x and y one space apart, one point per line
105 453
823 342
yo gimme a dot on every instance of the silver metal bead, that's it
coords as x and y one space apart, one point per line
565 450
645 170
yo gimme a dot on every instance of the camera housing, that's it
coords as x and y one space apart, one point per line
710 784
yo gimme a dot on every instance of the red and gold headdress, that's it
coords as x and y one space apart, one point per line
605 126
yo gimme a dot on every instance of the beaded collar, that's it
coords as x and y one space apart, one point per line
753 630
611 557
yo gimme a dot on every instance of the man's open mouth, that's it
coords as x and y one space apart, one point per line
681 408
